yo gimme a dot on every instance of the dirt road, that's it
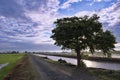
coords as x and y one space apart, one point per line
50 71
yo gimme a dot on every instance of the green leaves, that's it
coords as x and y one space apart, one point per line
80 33
105 42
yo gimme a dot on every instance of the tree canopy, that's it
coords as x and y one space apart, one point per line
80 33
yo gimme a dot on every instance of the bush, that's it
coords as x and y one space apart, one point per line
61 61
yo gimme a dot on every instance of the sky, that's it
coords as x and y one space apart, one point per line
25 25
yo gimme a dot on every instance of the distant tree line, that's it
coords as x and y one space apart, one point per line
10 52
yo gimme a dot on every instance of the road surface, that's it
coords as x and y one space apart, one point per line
50 71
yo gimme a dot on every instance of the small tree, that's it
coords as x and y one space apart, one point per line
80 33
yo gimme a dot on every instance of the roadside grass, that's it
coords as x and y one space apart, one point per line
23 70
103 74
51 61
11 59
48 60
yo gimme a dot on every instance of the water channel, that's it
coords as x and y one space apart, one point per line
93 64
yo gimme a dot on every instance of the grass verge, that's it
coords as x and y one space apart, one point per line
103 74
23 71
11 59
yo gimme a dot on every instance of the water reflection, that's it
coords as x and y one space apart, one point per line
3 65
94 64
104 65
115 55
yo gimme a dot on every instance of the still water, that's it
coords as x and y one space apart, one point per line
3 65
93 64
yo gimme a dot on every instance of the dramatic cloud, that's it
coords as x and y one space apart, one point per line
108 15
27 24
39 19
111 15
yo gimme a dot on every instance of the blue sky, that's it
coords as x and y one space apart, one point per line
27 24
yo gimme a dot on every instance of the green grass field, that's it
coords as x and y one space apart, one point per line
11 59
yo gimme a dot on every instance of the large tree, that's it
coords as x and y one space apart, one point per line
80 33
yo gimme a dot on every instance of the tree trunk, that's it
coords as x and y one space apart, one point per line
78 59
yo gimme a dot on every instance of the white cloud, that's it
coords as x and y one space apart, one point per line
97 0
20 31
94 1
107 0
68 3
83 13
117 45
45 16
108 15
